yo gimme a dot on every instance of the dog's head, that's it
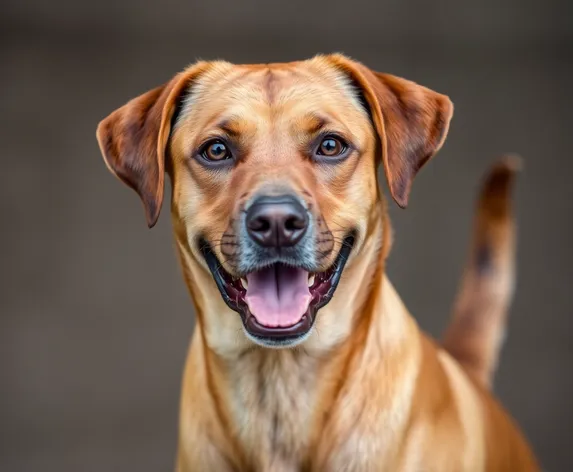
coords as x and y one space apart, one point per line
273 170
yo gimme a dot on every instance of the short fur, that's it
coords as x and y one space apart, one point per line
367 391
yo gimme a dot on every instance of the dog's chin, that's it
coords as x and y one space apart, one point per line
278 303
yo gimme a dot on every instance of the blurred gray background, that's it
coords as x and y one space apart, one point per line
94 316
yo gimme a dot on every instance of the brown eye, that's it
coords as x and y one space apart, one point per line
331 147
216 151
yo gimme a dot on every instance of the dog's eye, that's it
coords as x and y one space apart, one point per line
215 151
331 147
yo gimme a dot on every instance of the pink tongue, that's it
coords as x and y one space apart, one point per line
278 296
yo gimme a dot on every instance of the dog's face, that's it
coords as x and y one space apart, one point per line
274 174
273 169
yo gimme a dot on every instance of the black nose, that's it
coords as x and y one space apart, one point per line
276 221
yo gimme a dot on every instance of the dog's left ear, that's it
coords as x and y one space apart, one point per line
133 139
411 121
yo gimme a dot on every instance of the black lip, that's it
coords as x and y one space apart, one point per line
233 296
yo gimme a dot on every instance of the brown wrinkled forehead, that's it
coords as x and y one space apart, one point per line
262 93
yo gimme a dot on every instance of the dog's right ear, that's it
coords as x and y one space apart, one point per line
133 139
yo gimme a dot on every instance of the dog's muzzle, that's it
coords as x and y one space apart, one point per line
278 287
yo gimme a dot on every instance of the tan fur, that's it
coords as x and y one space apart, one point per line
367 391
478 322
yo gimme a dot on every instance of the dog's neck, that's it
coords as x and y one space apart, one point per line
267 399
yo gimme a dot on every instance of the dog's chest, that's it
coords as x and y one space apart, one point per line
273 402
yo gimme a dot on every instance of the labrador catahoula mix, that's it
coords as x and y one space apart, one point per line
304 358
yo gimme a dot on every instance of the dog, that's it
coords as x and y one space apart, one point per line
304 358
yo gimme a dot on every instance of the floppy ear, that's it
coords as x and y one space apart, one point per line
133 139
411 121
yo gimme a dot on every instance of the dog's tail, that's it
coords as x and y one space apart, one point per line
477 328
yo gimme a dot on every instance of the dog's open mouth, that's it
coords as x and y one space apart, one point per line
278 303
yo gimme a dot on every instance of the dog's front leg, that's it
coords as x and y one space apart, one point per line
203 456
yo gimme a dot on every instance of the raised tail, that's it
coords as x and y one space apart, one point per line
479 317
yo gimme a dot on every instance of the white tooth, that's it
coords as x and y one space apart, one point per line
244 282
310 280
